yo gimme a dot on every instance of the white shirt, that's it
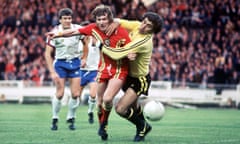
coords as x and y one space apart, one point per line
93 56
66 47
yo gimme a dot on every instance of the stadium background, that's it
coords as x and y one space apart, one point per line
199 43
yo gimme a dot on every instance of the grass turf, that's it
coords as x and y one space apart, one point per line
30 124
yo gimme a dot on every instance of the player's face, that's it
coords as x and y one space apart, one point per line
146 27
102 22
66 21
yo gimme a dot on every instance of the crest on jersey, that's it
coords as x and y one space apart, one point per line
121 42
107 42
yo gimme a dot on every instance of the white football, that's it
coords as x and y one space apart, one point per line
153 110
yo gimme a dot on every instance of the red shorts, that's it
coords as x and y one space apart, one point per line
106 76
109 69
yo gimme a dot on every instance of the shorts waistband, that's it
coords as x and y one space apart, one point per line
67 59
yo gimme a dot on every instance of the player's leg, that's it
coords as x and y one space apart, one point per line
59 80
56 102
73 101
73 74
89 77
113 87
128 107
92 101
101 87
125 108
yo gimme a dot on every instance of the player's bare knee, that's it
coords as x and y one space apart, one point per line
120 110
59 96
75 94
107 100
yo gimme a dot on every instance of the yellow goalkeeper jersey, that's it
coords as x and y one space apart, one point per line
142 44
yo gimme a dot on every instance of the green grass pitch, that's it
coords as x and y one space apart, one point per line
30 124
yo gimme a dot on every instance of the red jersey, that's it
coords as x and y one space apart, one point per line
109 68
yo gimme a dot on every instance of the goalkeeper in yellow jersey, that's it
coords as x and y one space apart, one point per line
139 51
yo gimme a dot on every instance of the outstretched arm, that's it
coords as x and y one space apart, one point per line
64 33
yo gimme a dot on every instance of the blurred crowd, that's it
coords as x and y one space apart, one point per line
200 41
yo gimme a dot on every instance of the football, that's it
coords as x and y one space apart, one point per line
153 110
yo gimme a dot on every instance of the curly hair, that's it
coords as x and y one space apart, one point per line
156 20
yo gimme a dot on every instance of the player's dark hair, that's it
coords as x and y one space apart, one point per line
156 20
101 10
65 12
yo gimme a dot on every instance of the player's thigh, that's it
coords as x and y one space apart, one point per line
75 86
127 100
114 85
60 85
